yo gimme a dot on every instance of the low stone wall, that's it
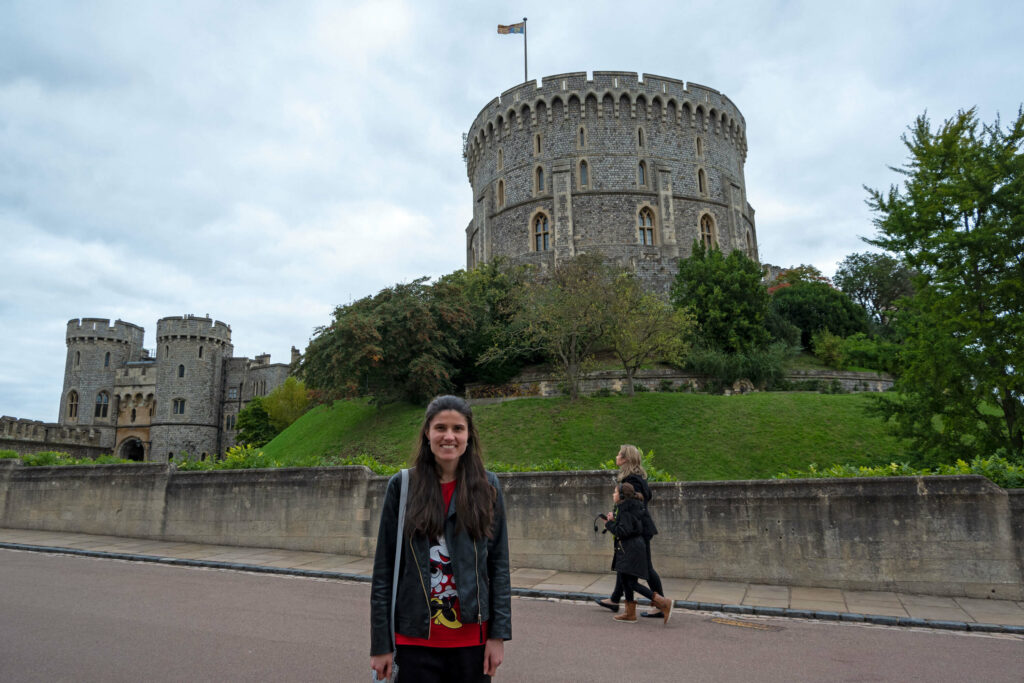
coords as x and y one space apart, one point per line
959 536
658 379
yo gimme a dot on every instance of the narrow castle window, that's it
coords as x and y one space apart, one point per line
539 179
541 233
646 226
179 406
639 137
700 147
584 175
78 358
641 174
707 231
181 371
536 144
501 159
133 414
200 351
106 360
583 137
73 404
229 422
702 181
102 404
501 193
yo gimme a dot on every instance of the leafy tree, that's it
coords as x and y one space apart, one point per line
959 222
285 404
645 327
816 306
254 424
565 317
801 273
401 343
875 281
727 297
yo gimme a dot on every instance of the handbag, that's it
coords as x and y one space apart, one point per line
403 495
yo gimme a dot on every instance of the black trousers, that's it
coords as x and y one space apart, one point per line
419 664
630 584
653 580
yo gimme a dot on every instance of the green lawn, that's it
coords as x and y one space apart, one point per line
694 436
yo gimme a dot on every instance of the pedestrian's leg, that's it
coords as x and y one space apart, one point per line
612 603
654 581
628 584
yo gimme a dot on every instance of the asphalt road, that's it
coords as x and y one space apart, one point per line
65 618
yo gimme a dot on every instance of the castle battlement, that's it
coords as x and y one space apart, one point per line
100 329
51 434
192 327
615 94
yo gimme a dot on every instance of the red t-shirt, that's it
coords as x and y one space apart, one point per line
446 627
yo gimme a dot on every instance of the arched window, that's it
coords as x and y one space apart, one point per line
167 351
584 174
582 140
639 137
702 182
181 371
700 147
539 179
541 233
641 174
106 360
102 404
707 231
501 193
133 414
73 405
536 144
645 223
501 159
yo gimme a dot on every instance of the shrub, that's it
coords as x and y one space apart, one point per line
829 349
241 457
365 460
603 392
640 388
763 367
8 454
996 468
665 385
60 459
863 351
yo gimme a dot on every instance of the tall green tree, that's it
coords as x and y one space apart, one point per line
645 327
727 297
565 316
254 425
958 221
816 306
876 282
286 403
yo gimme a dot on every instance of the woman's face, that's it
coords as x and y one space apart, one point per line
619 459
615 494
448 433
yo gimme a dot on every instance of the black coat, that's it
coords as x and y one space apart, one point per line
630 548
639 484
481 568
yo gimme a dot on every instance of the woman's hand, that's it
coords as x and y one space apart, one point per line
382 665
494 653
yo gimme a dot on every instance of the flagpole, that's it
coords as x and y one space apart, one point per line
525 77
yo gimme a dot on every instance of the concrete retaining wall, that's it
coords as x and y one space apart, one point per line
959 536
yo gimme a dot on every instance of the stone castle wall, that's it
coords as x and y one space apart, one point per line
524 156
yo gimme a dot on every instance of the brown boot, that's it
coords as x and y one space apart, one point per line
629 616
664 605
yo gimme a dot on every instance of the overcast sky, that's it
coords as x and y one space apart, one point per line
263 162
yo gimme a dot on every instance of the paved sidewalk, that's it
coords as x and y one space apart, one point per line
880 607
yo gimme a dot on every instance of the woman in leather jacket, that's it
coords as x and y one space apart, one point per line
453 603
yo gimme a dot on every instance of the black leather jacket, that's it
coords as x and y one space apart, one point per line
481 575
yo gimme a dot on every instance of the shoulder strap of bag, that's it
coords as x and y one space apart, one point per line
398 550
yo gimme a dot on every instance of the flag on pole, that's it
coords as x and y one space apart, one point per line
512 28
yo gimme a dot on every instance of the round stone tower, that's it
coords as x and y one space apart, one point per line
633 169
189 386
96 350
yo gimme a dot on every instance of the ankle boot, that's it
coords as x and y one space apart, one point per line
629 616
664 605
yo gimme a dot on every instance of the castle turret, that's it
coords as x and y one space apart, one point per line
96 350
189 384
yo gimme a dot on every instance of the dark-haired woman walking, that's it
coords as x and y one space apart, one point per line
453 608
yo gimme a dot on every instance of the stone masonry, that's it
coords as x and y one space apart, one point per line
587 165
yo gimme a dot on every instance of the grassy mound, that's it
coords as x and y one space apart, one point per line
694 436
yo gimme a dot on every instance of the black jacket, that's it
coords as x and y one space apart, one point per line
630 548
640 484
481 575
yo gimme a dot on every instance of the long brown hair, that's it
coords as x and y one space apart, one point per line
632 462
474 500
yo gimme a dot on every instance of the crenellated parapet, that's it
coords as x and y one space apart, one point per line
192 327
101 329
47 434
615 94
